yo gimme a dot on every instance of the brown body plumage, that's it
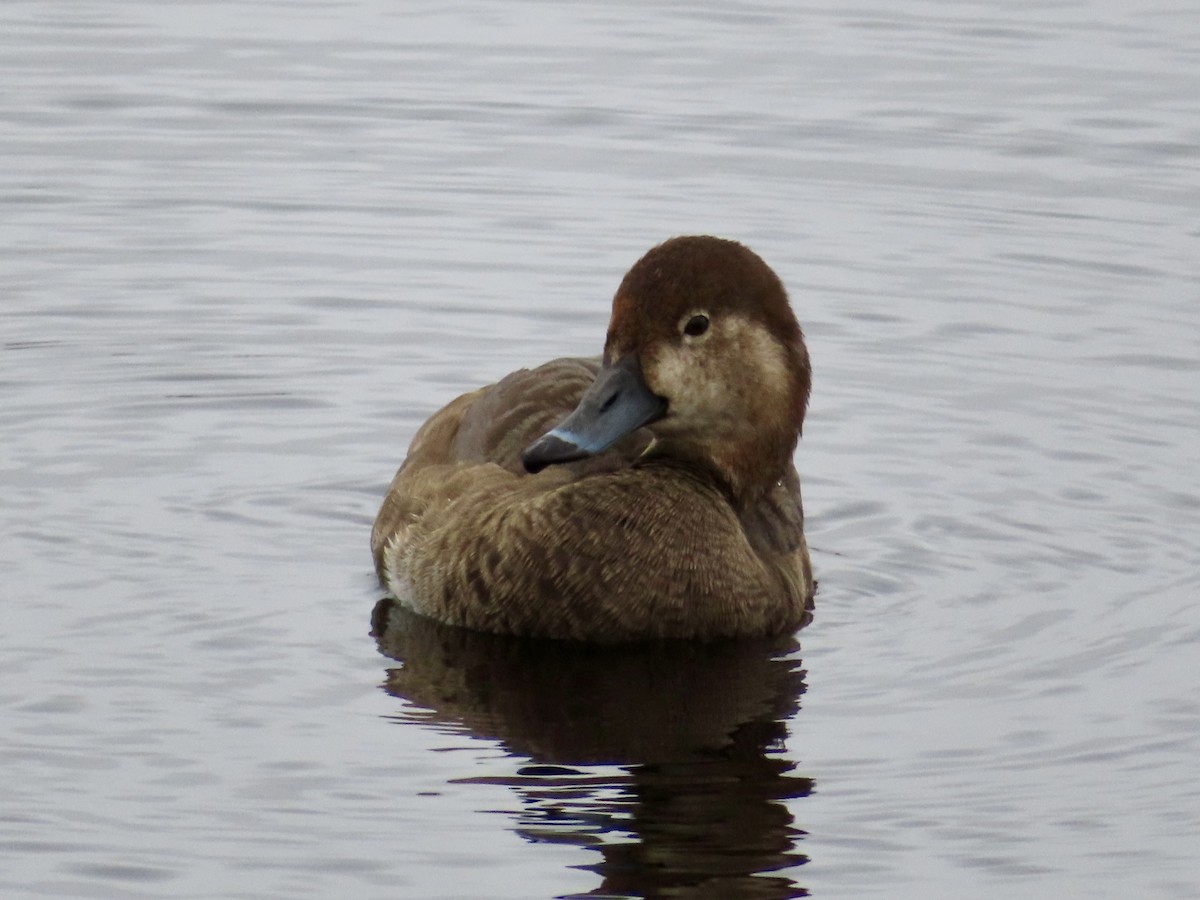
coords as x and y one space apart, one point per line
689 526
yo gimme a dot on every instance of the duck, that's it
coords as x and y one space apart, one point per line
646 494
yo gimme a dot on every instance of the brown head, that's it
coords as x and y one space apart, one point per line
702 343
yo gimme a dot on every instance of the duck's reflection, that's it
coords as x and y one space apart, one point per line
668 759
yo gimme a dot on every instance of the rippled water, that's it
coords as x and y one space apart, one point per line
246 248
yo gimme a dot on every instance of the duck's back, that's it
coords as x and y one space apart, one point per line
466 440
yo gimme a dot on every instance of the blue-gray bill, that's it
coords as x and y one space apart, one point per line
615 404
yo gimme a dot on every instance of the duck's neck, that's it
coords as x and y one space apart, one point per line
745 472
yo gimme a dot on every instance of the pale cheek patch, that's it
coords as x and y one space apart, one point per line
740 374
692 382
762 373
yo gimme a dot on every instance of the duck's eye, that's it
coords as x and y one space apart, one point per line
696 326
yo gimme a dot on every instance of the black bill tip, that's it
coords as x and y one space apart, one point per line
548 450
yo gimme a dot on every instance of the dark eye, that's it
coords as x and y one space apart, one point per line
696 326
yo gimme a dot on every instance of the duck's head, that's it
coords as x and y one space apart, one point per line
703 344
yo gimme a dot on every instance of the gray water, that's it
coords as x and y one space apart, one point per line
245 249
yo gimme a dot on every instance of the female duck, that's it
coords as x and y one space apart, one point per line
666 505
